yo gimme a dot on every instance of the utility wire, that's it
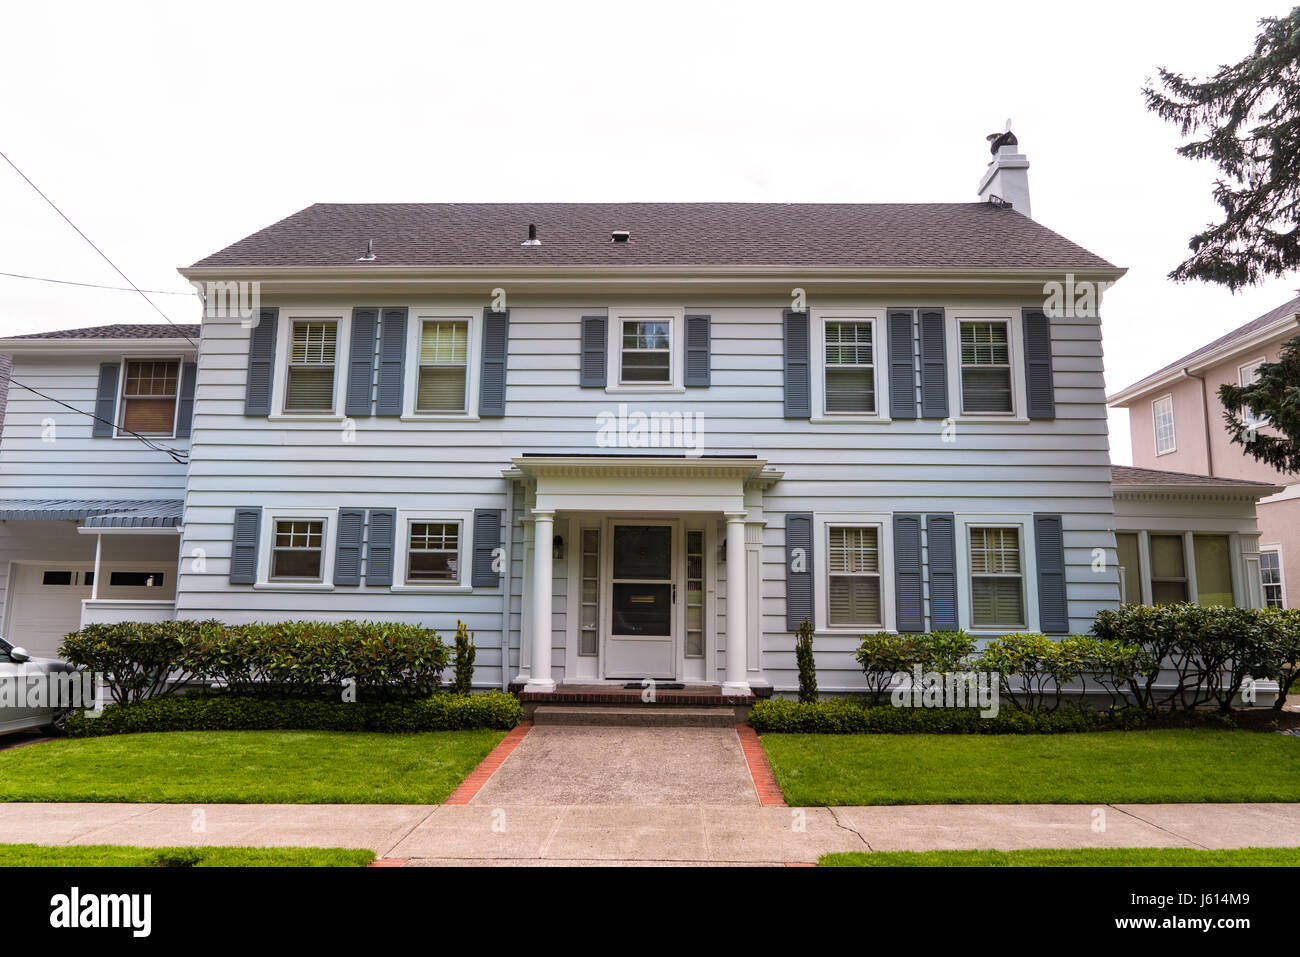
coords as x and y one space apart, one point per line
179 456
94 285
101 252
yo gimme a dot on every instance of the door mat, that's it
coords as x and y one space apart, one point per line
658 686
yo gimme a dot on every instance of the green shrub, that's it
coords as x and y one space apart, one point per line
803 653
1033 670
465 655
224 711
1280 635
140 659
883 655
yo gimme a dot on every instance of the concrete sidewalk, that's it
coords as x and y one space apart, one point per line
483 833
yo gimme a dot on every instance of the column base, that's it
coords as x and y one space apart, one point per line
736 688
544 685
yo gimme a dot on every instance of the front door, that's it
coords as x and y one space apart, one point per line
640 626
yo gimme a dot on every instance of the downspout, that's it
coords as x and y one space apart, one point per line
507 584
1205 416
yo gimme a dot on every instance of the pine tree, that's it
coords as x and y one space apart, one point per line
1275 396
803 652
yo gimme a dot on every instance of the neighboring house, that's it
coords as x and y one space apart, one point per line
1176 421
639 440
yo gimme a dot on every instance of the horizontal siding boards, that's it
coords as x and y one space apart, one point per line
492 377
392 361
106 400
361 361
349 536
261 363
902 363
798 369
909 596
799 563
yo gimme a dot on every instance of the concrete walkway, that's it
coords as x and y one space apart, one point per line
484 833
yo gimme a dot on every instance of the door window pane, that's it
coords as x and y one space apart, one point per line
643 551
588 640
695 594
642 609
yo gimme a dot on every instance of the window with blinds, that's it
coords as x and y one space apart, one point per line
853 569
444 359
296 550
312 353
985 368
149 396
997 587
1168 570
433 552
850 367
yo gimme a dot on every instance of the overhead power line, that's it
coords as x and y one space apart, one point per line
95 285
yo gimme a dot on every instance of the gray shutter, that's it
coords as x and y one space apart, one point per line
185 410
908 598
379 553
261 363
798 584
902 379
106 401
361 360
934 365
487 539
1049 555
591 374
1038 364
243 547
492 381
347 550
798 371
941 557
697 350
392 362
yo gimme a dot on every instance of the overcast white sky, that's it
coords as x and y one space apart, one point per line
170 130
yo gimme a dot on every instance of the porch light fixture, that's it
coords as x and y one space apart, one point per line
557 546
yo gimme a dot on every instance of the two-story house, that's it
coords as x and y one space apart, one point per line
619 440
1177 423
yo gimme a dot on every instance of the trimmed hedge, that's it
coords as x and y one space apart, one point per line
222 711
843 716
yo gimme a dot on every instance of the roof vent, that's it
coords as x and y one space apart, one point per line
621 236
532 239
369 257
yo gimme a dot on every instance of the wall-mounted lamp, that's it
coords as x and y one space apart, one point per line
557 546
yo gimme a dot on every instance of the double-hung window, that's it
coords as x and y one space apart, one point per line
997 586
1162 415
433 553
297 549
313 352
1248 374
149 396
646 352
850 367
444 366
985 368
853 569
1270 576
1168 570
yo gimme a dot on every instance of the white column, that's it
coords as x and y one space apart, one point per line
737 607
99 551
540 672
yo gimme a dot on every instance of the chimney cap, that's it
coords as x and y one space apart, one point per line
999 140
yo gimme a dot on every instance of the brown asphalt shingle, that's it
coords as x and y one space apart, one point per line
120 331
1129 475
708 234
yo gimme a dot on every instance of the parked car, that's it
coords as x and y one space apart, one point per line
16 663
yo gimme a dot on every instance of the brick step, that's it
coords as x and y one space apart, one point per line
643 717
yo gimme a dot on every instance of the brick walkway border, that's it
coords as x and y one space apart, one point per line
769 795
479 776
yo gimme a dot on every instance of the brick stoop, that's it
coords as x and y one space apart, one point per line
568 697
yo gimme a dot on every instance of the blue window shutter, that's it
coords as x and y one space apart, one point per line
492 381
798 371
487 539
798 569
941 555
106 401
261 363
1039 387
347 549
1049 555
591 373
392 361
908 598
379 552
185 401
934 365
697 350
243 547
361 360
902 378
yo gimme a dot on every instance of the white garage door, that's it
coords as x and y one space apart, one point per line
46 605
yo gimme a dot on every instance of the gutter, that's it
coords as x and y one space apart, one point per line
1205 417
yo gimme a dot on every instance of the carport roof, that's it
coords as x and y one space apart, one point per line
97 513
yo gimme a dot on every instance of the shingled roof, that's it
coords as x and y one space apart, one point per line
948 235
120 331
1129 475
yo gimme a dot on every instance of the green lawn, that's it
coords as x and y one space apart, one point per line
246 767
1112 767
113 855
1085 857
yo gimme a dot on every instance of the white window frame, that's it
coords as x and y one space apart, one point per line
823 522
1028 570
1281 573
1155 424
284 344
880 370
401 549
1241 381
675 317
266 541
954 318
120 413
416 317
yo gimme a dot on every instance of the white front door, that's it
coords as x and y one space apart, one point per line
641 621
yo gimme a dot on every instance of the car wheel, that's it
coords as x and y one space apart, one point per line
59 726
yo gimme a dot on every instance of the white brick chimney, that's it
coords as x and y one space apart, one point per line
1007 176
